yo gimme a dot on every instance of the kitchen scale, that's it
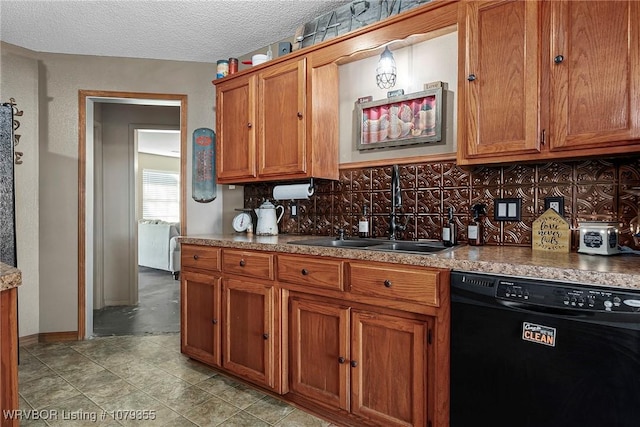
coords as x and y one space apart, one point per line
243 221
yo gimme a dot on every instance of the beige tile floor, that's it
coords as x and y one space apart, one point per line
113 375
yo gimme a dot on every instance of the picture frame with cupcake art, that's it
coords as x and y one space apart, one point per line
399 121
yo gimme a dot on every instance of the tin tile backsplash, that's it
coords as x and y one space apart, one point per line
592 190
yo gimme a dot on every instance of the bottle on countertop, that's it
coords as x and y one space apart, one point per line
449 231
363 224
475 232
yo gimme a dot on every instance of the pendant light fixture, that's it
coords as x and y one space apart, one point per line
386 70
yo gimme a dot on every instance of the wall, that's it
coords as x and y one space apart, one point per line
19 80
154 162
432 60
592 190
53 85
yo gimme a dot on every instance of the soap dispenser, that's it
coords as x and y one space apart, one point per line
475 232
449 230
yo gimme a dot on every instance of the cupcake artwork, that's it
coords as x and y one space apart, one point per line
402 120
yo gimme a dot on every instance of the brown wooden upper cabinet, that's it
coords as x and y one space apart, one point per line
499 92
274 123
548 80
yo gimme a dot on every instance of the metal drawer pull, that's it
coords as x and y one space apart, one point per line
471 77
265 336
341 360
196 257
214 321
387 283
354 364
242 263
304 272
558 59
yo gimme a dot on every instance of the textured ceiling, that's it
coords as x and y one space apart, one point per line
182 30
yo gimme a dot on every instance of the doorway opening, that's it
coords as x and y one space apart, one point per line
110 129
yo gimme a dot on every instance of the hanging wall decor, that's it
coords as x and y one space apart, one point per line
7 187
203 183
399 121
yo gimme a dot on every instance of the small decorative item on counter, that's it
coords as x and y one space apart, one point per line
222 69
233 65
475 231
363 224
598 237
551 233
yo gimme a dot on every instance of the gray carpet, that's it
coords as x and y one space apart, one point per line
158 311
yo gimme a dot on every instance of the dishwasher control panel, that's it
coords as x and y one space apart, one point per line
578 297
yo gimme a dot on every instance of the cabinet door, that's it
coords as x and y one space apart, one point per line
235 139
319 351
389 369
9 399
281 100
499 58
199 315
249 332
595 69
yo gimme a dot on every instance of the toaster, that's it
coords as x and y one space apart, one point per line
598 237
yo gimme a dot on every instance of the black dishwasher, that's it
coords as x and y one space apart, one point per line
541 353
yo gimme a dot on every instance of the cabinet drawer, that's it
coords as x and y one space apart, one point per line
395 282
248 263
200 257
323 273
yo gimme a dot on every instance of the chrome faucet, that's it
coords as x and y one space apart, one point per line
396 202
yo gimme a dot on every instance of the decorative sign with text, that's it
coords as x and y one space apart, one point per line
551 232
349 17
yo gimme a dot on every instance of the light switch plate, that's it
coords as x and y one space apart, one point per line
507 209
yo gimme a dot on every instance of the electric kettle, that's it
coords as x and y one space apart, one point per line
267 220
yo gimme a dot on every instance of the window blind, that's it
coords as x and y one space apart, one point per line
160 195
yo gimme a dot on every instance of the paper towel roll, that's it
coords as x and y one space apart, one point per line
292 192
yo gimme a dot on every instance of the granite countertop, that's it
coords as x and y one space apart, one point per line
615 271
10 277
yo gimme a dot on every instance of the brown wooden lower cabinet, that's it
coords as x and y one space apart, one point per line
372 365
388 369
249 332
363 343
9 354
320 351
200 317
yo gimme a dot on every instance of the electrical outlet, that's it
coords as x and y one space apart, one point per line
555 203
507 209
294 210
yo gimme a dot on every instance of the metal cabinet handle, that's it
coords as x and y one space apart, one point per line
196 257
387 283
242 263
249 125
471 77
299 115
558 59
354 364
341 360
304 272
214 321
265 336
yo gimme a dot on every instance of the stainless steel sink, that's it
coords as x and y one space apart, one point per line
422 247
332 242
409 246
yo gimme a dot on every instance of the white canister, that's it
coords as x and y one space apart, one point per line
598 237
